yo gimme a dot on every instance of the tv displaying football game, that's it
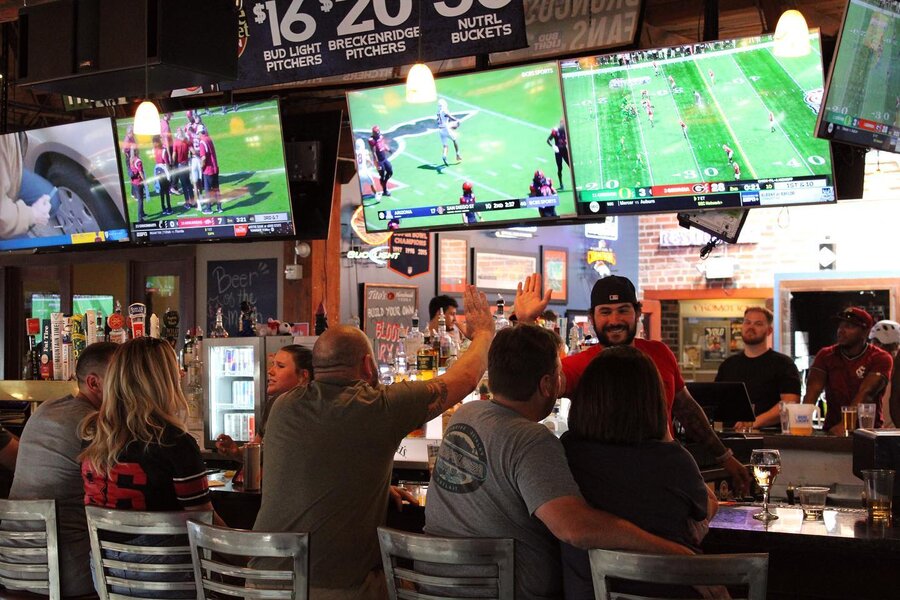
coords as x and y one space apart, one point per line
214 173
493 149
61 188
862 101
712 125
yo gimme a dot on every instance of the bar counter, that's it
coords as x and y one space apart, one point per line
840 556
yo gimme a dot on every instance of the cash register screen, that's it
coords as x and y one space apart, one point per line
727 402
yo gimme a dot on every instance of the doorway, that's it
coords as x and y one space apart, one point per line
813 312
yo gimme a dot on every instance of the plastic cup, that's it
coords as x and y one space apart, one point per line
785 418
866 413
812 501
800 417
879 485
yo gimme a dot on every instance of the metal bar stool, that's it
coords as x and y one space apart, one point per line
745 570
29 560
425 567
231 563
142 553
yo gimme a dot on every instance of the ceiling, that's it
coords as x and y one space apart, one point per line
666 22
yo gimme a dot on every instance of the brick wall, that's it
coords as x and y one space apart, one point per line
786 241
669 324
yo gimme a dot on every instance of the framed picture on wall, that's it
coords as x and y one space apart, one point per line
495 271
452 265
554 273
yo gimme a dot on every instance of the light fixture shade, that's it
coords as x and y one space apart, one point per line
791 35
420 85
146 119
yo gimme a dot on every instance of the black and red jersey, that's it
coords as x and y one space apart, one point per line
560 138
159 477
380 147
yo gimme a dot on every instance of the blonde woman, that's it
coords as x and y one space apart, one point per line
139 455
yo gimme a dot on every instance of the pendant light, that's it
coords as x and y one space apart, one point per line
791 35
146 118
420 86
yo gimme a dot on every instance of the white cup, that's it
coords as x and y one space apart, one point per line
800 418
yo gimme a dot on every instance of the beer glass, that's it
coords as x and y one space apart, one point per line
849 416
766 465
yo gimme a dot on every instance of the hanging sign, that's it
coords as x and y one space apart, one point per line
293 40
557 27
411 253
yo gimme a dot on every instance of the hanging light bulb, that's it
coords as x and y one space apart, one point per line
146 119
791 35
420 85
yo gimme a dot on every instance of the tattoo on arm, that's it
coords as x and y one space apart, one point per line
695 423
438 391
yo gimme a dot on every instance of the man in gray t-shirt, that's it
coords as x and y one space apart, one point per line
501 474
48 465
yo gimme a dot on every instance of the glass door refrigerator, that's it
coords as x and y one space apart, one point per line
234 385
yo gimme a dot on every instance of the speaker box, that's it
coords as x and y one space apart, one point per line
849 164
101 49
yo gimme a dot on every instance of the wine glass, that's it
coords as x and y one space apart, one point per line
766 465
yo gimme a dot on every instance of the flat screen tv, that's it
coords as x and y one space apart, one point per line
713 125
862 100
61 188
483 155
236 148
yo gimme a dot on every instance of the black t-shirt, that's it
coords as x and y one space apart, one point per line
767 377
160 477
655 485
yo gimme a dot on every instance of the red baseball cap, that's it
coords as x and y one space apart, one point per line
856 316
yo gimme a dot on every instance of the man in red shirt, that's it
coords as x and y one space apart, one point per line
615 312
851 372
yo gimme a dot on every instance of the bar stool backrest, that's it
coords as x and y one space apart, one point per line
222 568
29 560
135 552
426 567
750 570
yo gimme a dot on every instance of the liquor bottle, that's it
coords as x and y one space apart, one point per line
426 362
400 362
218 330
500 320
442 341
574 341
415 339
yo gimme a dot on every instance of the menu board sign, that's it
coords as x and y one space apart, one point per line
230 282
387 308
283 41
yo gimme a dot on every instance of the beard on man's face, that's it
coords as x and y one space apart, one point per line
622 333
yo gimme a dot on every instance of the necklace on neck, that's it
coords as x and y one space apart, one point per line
844 354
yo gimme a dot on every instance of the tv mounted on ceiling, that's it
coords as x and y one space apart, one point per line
483 155
862 99
226 176
713 125
61 188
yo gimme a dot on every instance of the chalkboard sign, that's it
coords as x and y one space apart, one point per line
229 282
385 309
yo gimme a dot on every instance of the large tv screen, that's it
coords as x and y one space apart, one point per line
711 125
862 102
215 173
61 187
484 154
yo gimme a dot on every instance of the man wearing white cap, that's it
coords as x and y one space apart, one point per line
851 372
886 335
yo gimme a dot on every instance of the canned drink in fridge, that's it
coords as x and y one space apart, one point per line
252 466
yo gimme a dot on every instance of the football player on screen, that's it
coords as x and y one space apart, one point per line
559 141
447 125
737 171
542 186
363 164
468 197
381 157
728 152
